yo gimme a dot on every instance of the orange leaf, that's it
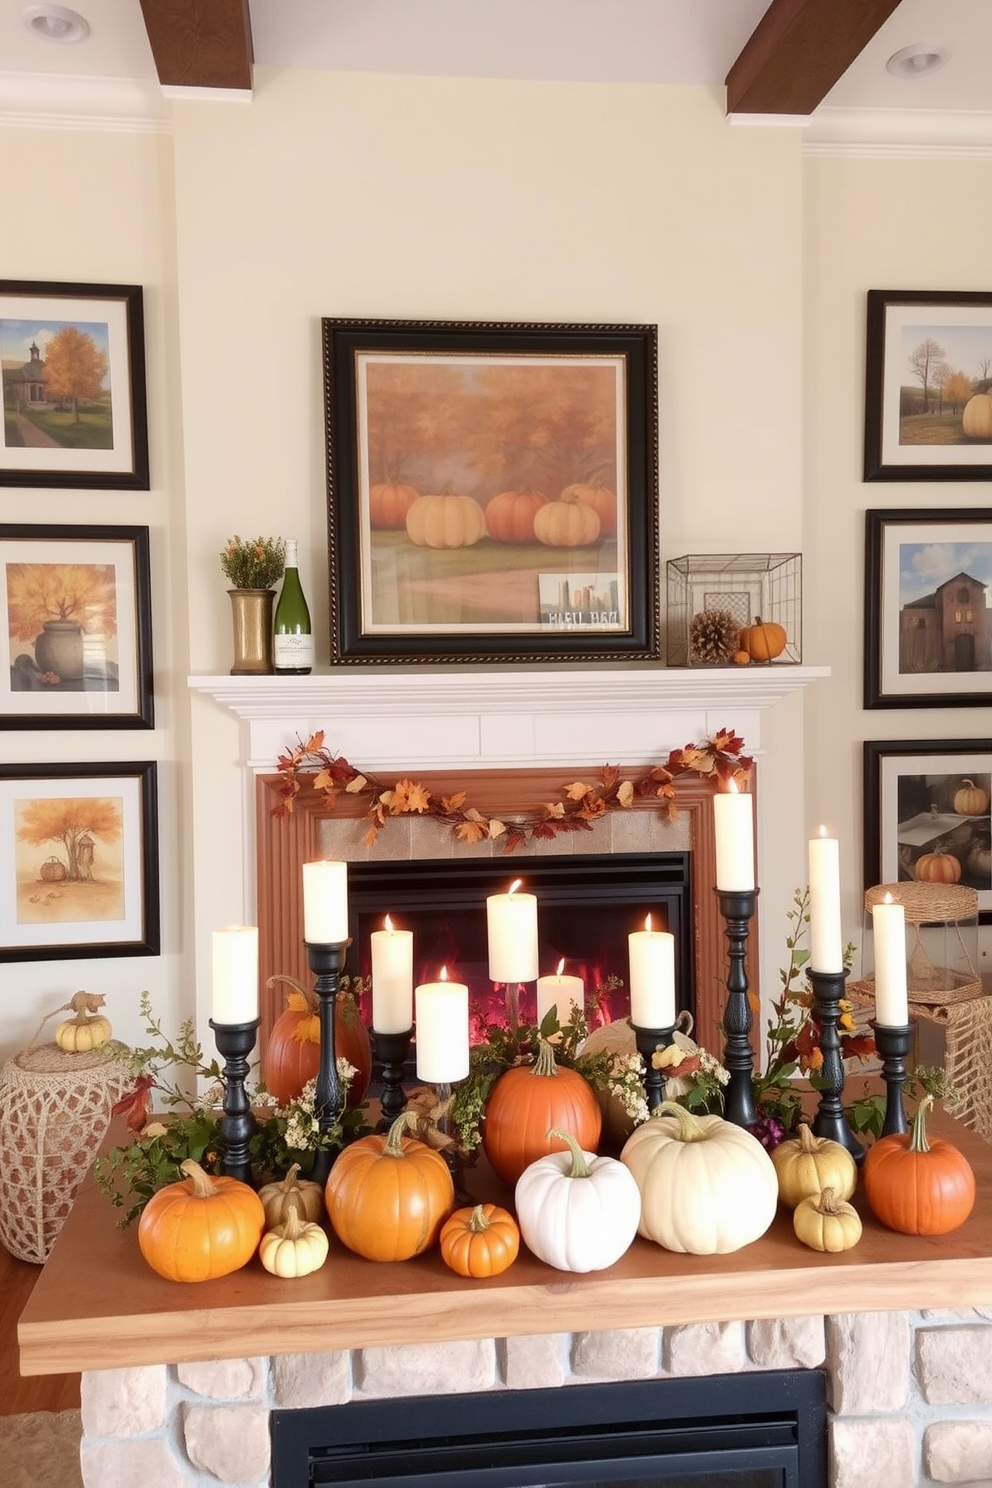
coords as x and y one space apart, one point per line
470 831
451 804
577 790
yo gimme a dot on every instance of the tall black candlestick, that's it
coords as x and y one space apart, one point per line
893 1043
235 1042
648 1040
391 1049
327 964
830 1121
737 908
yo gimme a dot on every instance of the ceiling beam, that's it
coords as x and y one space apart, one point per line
200 43
798 50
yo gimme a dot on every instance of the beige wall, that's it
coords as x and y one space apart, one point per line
414 198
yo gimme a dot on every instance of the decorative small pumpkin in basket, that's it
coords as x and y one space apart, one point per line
88 1030
53 870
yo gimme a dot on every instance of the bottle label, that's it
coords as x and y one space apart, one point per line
292 651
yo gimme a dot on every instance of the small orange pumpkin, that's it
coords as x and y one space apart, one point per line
566 524
445 521
742 658
389 502
764 640
201 1228
526 1103
387 1196
510 515
937 868
478 1242
602 500
916 1185
292 1053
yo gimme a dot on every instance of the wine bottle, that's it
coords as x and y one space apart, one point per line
292 641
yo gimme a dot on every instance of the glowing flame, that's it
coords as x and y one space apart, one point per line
389 925
443 974
561 966
515 885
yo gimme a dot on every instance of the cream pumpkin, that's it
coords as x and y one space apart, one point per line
566 524
807 1165
445 521
976 421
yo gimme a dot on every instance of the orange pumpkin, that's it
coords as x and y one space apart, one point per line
387 1196
764 640
742 658
526 1102
478 1242
566 524
937 868
510 515
200 1228
389 502
292 1053
602 500
970 799
916 1185
445 521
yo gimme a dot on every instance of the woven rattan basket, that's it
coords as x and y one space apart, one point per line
54 1113
933 904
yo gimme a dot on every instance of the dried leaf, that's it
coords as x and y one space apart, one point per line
451 804
355 786
625 794
577 790
496 828
554 810
470 831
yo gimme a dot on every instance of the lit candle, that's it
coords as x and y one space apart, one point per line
559 992
826 945
392 979
512 924
325 902
652 977
235 974
889 926
733 823
442 1031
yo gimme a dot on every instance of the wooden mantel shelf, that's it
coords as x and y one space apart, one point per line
97 1305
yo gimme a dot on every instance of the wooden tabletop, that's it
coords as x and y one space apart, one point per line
97 1304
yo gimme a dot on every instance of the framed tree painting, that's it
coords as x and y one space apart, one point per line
492 491
78 861
74 404
75 628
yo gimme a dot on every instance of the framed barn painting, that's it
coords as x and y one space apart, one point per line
492 491
74 405
75 628
78 861
928 608
928 386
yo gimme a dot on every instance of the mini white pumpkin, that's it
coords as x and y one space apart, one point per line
577 1211
707 1186
295 1248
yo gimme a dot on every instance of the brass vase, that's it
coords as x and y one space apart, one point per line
251 612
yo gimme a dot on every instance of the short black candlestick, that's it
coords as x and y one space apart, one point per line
327 964
391 1050
893 1043
235 1042
737 908
648 1040
830 1120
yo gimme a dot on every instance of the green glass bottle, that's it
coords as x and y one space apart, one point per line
292 641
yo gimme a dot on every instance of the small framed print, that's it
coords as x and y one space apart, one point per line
75 628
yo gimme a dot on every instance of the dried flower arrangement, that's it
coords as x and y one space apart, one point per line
253 563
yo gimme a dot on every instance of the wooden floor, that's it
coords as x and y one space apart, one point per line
55 1392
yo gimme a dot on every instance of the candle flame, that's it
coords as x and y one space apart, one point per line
647 923
443 974
561 966
388 925
515 885
732 787
822 831
887 899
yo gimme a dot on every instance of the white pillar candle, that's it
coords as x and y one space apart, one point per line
392 979
512 924
442 1031
891 1000
325 902
235 974
825 941
733 823
559 992
652 977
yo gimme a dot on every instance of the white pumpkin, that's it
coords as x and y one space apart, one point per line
577 1211
707 1187
296 1247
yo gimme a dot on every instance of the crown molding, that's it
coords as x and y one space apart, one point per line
919 134
56 101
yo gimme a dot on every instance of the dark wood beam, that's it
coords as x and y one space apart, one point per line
200 43
797 52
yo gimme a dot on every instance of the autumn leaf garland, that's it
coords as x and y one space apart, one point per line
578 806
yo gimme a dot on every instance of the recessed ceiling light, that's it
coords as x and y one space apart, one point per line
916 61
56 22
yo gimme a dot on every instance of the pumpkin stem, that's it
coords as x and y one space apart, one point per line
827 1202
307 993
290 1179
204 1186
580 1168
544 1064
393 1147
807 1143
84 1003
477 1221
293 1225
918 1141
689 1128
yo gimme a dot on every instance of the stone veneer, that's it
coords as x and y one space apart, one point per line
910 1394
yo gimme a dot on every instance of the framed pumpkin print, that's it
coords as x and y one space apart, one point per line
927 814
74 403
75 628
78 861
492 491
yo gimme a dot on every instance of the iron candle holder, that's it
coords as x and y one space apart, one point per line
737 908
327 964
830 1121
648 1040
391 1049
893 1043
235 1042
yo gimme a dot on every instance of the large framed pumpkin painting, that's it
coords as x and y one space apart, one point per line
492 491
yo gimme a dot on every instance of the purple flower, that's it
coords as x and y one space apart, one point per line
768 1130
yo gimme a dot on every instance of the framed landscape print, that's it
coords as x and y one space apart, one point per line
78 861
925 797
928 608
75 628
74 407
492 491
928 386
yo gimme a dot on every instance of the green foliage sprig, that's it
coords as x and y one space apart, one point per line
253 563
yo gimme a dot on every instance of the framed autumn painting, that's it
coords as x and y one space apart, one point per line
492 491
75 627
78 861
74 403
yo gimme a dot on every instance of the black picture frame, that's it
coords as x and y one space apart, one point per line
909 789
60 433
928 626
55 878
922 433
497 409
88 664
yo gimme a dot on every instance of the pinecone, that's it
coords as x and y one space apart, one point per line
713 636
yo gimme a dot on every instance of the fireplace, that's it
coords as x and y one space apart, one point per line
762 1430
